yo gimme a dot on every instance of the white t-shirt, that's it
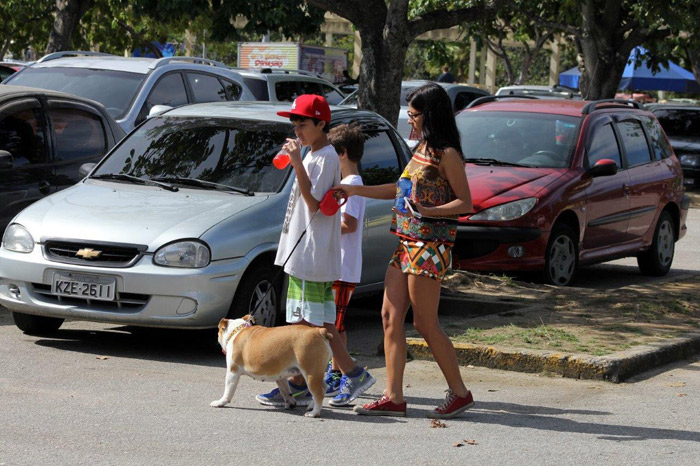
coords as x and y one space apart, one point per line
317 257
351 243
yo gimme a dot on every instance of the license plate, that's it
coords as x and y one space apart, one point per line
76 285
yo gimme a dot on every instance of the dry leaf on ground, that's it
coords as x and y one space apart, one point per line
437 423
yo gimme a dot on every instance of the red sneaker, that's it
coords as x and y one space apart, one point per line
452 406
382 407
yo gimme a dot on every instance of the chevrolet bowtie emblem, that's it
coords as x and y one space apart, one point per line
88 253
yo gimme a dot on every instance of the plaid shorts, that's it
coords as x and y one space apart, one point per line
310 301
423 258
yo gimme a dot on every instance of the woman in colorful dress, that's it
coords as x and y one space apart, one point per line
435 185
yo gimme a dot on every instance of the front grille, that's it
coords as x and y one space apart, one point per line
122 301
466 248
95 254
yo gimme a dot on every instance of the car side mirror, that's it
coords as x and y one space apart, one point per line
604 167
6 160
85 169
158 109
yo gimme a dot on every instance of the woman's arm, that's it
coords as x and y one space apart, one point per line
381 191
452 168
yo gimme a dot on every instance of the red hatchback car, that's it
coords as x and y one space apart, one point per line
561 183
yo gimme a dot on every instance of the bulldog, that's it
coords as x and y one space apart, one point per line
275 354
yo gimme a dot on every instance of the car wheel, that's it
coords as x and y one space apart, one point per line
36 325
256 286
561 256
657 260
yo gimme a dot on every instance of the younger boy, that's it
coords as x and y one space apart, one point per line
315 263
348 142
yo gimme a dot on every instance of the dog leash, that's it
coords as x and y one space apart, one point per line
257 306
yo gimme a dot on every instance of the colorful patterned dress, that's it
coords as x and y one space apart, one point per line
425 246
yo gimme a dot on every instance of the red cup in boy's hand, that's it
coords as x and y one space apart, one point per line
281 160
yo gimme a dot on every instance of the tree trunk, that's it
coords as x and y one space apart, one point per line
68 16
694 56
381 71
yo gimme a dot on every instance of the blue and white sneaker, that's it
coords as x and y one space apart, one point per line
332 380
351 388
301 395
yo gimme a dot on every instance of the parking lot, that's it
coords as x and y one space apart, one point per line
109 394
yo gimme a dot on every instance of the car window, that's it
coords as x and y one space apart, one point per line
604 146
169 90
234 90
679 122
258 87
231 152
79 134
659 143
287 91
463 99
530 139
332 96
635 142
206 88
379 164
310 87
88 83
22 135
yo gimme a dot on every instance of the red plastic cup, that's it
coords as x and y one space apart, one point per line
281 161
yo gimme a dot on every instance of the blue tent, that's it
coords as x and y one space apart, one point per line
671 78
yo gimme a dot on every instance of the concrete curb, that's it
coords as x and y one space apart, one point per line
616 367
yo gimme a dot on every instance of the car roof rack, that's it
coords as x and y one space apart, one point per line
593 106
492 98
197 60
286 71
73 53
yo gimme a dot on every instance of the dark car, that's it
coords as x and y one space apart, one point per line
7 69
44 138
682 125
559 183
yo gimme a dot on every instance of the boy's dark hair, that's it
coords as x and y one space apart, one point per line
315 121
348 139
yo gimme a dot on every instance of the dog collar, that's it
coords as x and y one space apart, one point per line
236 331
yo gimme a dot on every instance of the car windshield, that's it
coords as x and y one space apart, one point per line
113 89
235 153
679 123
529 139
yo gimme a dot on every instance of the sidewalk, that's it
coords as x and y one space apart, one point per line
498 322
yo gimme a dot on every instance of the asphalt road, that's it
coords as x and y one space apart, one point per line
105 394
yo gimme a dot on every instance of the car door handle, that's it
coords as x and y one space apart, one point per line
44 187
626 189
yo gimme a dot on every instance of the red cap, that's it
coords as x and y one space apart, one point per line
310 106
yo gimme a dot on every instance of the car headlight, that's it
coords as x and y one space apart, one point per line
183 254
690 160
507 211
17 239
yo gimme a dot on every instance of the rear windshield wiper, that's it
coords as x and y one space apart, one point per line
485 161
134 179
204 184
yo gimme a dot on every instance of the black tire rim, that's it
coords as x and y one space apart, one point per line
265 313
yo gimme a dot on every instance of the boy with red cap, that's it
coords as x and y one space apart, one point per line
315 263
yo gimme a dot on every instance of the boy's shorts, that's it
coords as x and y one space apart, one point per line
342 291
310 301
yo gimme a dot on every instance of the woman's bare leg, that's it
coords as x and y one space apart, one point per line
425 299
394 309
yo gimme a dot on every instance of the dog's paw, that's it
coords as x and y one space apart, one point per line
312 414
218 403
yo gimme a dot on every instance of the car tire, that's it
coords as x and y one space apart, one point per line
657 260
561 256
36 325
254 287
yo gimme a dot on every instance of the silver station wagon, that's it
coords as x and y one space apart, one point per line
178 225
